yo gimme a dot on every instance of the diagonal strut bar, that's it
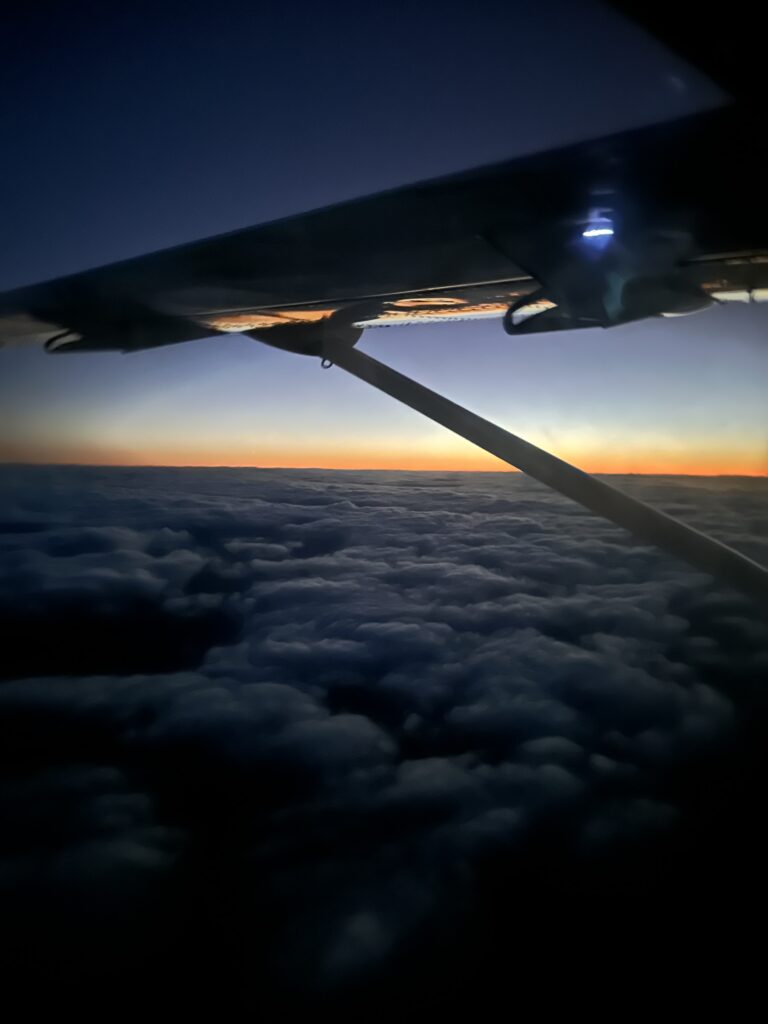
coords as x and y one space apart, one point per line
644 522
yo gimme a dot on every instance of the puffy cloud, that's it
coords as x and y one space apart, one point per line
313 728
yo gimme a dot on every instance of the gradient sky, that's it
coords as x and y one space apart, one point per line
138 128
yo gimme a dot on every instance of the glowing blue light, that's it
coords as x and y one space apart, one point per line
597 232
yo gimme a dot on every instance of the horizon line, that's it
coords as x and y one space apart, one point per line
345 469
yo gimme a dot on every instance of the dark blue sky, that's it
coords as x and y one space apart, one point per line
133 127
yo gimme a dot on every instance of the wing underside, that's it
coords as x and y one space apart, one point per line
734 277
468 246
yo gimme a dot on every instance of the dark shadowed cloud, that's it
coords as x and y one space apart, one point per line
335 736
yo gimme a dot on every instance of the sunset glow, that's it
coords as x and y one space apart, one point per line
673 397
454 456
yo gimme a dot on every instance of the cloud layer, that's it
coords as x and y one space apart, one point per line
273 735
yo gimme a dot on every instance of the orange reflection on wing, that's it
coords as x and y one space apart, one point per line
476 301
259 320
417 303
460 311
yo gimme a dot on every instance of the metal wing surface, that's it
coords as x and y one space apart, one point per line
684 199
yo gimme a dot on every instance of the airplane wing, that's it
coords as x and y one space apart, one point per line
606 231
682 201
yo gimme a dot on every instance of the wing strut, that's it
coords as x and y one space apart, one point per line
644 522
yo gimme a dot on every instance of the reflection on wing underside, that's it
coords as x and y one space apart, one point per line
730 278
432 314
471 303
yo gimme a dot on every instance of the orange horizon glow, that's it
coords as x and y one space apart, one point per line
748 463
